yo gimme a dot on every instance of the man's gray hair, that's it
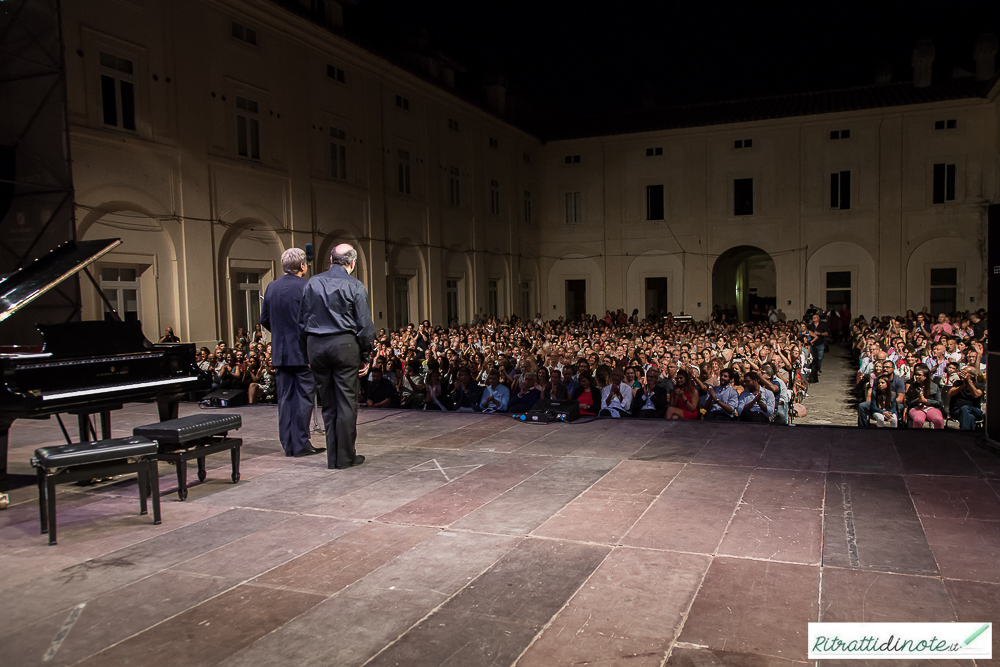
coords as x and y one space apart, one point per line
292 260
343 255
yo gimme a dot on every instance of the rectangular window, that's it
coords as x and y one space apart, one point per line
493 298
453 125
572 159
451 300
338 154
246 290
335 73
527 158
574 207
117 91
840 190
494 143
527 206
949 124
403 103
944 290
525 300
244 34
494 197
652 152
121 288
743 196
944 183
654 202
454 196
743 143
403 171
247 128
838 289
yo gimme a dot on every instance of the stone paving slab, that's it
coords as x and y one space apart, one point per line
473 539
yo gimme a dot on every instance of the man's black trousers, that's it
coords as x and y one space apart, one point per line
335 361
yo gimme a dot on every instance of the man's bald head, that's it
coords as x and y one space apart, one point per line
344 255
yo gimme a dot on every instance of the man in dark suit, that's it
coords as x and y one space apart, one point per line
651 399
280 315
338 333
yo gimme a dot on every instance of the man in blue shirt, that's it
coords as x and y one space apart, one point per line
722 401
755 404
337 333
495 395
279 314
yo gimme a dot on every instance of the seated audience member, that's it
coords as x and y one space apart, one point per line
466 395
569 379
756 404
684 398
412 390
555 389
884 404
651 399
722 401
434 396
967 398
379 392
867 409
771 381
616 397
495 396
923 398
527 394
586 395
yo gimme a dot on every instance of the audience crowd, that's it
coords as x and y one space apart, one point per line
912 370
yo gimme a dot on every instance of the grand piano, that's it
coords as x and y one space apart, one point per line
84 368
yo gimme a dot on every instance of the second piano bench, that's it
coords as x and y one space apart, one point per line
88 460
194 437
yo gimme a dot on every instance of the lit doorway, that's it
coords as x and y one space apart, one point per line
576 299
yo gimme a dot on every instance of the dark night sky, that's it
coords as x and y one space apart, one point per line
572 56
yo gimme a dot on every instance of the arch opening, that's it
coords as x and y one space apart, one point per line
744 277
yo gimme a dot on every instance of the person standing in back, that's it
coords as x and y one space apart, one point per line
337 335
279 314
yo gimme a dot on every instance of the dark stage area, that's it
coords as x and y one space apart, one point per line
475 540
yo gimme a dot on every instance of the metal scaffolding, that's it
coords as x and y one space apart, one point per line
36 185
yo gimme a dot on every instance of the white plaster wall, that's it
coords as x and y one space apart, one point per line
583 268
943 253
842 256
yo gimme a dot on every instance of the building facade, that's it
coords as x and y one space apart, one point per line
211 135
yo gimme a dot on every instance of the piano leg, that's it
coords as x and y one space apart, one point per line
83 422
106 425
168 409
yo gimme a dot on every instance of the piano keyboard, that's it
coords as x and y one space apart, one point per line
136 386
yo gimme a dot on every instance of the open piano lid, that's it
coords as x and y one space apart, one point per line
25 285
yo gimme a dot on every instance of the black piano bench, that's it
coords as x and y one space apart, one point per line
87 460
195 437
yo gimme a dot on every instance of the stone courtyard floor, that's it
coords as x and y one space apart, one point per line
473 540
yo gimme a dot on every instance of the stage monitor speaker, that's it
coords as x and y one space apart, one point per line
225 398
551 410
